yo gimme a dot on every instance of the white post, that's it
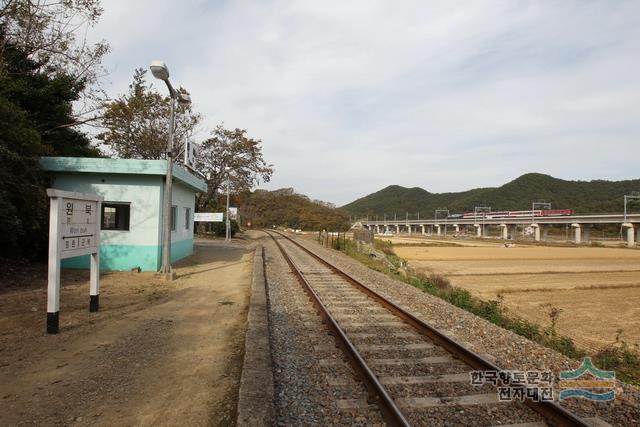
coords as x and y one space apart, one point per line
505 231
397 229
53 286
409 229
577 235
478 230
630 234
423 230
438 231
536 235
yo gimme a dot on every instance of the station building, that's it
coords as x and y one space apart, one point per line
131 217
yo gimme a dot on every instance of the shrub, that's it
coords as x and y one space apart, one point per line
220 228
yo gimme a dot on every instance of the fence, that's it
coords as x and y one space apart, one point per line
333 240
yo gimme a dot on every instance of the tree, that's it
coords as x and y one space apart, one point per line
138 123
235 150
284 207
46 32
33 105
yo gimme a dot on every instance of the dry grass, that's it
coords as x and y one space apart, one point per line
598 289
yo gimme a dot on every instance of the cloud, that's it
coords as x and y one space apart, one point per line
349 97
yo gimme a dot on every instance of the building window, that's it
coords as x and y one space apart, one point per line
115 216
187 218
174 211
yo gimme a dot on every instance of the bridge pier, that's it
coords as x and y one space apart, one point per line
397 229
456 227
577 233
630 234
478 230
545 232
585 234
409 229
536 232
423 229
505 231
438 231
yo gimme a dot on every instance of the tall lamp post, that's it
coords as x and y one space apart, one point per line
161 72
227 169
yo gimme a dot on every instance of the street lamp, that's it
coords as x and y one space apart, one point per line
227 169
161 72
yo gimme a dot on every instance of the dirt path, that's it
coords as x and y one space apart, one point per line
157 354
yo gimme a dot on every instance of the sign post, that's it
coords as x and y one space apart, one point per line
74 230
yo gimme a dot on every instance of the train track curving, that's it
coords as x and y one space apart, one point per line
412 370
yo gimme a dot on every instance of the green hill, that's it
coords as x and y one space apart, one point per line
582 196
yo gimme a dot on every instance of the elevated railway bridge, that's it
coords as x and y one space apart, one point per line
580 225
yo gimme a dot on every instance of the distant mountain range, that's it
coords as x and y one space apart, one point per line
581 196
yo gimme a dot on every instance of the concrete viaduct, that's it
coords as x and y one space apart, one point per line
580 224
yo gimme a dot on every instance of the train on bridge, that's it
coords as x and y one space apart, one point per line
512 214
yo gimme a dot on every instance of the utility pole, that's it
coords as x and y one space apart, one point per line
632 196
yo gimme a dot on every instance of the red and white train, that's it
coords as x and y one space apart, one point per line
514 214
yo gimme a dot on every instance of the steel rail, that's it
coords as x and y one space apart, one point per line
553 413
389 409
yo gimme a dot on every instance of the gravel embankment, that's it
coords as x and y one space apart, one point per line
510 351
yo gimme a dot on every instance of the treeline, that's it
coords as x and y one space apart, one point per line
598 196
286 208
36 100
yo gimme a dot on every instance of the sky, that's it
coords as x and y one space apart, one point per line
349 97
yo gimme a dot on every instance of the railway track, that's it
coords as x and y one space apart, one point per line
413 372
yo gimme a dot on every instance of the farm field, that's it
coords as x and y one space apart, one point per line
597 289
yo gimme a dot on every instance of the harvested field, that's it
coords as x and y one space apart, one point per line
598 289
516 253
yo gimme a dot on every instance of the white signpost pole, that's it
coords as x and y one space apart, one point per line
74 230
53 286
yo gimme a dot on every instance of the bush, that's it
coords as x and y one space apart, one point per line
439 281
220 228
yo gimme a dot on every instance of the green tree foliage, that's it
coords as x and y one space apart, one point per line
35 107
582 196
230 154
137 123
286 208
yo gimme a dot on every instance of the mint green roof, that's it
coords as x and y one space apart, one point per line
121 166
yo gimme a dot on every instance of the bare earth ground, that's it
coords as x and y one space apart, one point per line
157 353
598 289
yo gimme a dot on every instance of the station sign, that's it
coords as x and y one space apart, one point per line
74 230
208 217
233 213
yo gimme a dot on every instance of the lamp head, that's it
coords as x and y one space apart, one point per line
159 70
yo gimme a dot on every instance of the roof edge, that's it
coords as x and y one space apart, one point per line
121 166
